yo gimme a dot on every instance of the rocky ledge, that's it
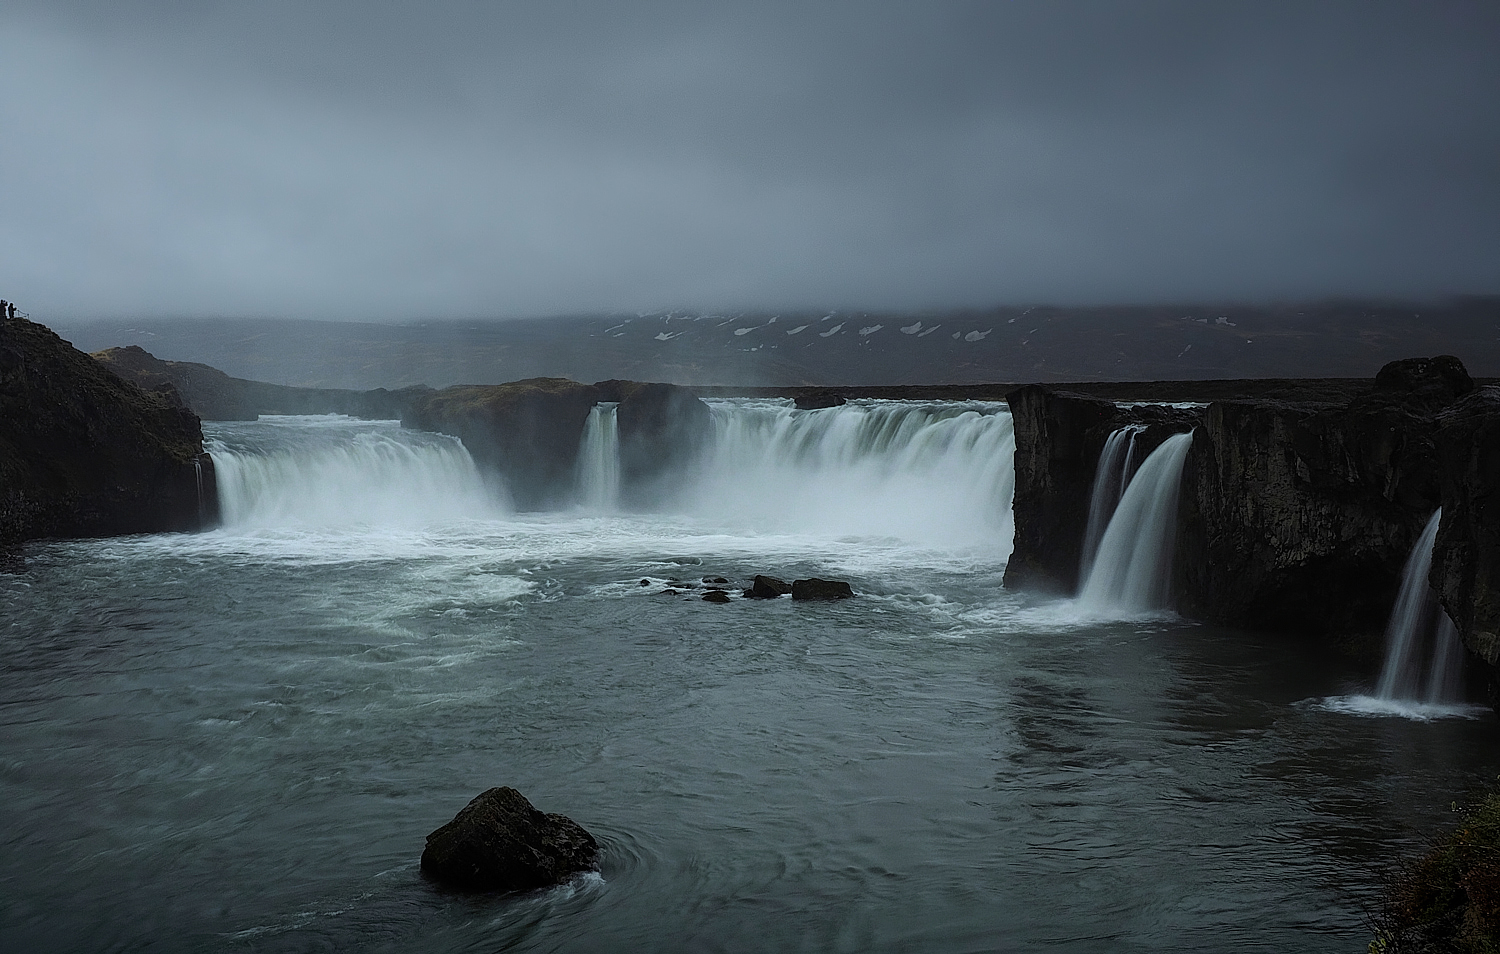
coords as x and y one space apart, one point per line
499 842
1293 515
526 434
85 453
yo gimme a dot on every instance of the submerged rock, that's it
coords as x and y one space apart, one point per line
499 842
768 588
716 596
816 589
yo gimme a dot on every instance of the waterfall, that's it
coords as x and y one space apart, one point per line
1110 480
1420 638
202 504
940 474
329 470
599 459
1132 570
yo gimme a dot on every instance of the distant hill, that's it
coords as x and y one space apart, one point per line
1036 344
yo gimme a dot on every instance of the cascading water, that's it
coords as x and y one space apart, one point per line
1131 573
1110 480
925 473
1423 659
599 459
335 471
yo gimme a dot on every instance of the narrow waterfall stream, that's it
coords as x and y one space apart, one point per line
1110 481
1423 660
599 460
1132 571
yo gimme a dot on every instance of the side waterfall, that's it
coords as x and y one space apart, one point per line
1132 571
1420 638
1110 480
320 471
940 474
599 459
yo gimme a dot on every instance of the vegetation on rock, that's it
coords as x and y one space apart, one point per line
1449 898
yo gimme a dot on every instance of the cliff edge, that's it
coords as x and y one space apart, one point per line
84 453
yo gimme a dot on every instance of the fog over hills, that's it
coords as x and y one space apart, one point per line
1014 344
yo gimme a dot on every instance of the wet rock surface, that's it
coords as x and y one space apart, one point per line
500 842
767 588
816 589
1466 556
85 453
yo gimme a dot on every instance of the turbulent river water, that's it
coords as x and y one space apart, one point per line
238 740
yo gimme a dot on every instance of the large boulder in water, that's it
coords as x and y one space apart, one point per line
816 589
768 588
85 453
499 842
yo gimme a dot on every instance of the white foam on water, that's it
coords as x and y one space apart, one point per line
1379 707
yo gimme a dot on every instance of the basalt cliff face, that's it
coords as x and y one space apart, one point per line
1466 556
1059 437
84 453
526 434
1294 516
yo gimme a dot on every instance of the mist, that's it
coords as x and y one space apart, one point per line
379 161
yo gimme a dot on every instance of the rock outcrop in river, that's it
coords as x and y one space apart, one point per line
499 842
85 453
528 432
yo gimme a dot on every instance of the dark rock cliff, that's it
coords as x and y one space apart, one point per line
215 396
527 433
84 453
1294 516
1466 556
1059 437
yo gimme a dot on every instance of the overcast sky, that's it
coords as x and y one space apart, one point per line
379 160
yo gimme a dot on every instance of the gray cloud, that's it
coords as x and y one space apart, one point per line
389 160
